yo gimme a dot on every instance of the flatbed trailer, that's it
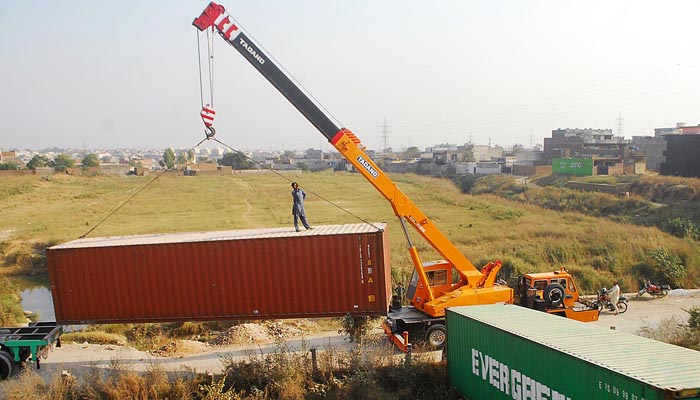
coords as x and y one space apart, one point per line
20 344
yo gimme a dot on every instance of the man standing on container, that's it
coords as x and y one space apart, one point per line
614 295
298 211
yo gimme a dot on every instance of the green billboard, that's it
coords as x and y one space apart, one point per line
573 166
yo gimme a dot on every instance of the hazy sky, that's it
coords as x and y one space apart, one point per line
124 73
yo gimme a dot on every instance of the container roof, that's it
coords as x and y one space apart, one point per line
656 363
240 234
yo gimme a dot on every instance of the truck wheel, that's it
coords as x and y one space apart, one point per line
7 365
436 337
554 295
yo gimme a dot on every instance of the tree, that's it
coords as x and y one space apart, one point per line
168 158
468 156
38 161
91 160
63 161
8 166
411 152
236 160
289 154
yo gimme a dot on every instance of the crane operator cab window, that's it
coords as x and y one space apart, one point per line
437 278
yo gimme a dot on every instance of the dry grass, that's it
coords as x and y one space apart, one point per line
364 373
93 337
115 383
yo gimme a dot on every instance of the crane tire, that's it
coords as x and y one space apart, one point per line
436 336
554 295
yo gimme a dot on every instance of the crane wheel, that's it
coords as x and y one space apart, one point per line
436 336
554 295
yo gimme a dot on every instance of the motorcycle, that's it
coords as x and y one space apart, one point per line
654 290
603 302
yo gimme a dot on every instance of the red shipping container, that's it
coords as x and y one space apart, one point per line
329 271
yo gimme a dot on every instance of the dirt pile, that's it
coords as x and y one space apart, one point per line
179 348
267 331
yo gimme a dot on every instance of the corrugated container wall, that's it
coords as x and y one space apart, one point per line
510 352
244 274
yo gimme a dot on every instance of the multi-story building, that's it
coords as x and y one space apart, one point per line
483 152
681 155
611 154
588 143
655 146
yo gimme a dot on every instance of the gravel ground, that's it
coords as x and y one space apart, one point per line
646 311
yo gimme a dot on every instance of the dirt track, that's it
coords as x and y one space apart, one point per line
642 312
647 311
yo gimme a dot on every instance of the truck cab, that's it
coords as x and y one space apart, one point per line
555 293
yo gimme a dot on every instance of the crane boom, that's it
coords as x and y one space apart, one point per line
475 286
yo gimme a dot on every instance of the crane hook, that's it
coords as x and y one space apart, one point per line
207 115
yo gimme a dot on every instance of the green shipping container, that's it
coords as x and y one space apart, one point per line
573 166
504 351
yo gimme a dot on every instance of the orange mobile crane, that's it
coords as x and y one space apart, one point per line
456 281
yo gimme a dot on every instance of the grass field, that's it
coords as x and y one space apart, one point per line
39 212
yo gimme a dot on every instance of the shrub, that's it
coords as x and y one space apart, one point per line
466 182
681 227
146 336
502 185
11 312
694 319
356 328
669 267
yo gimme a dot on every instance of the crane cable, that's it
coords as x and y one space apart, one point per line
290 180
135 194
207 115
207 109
